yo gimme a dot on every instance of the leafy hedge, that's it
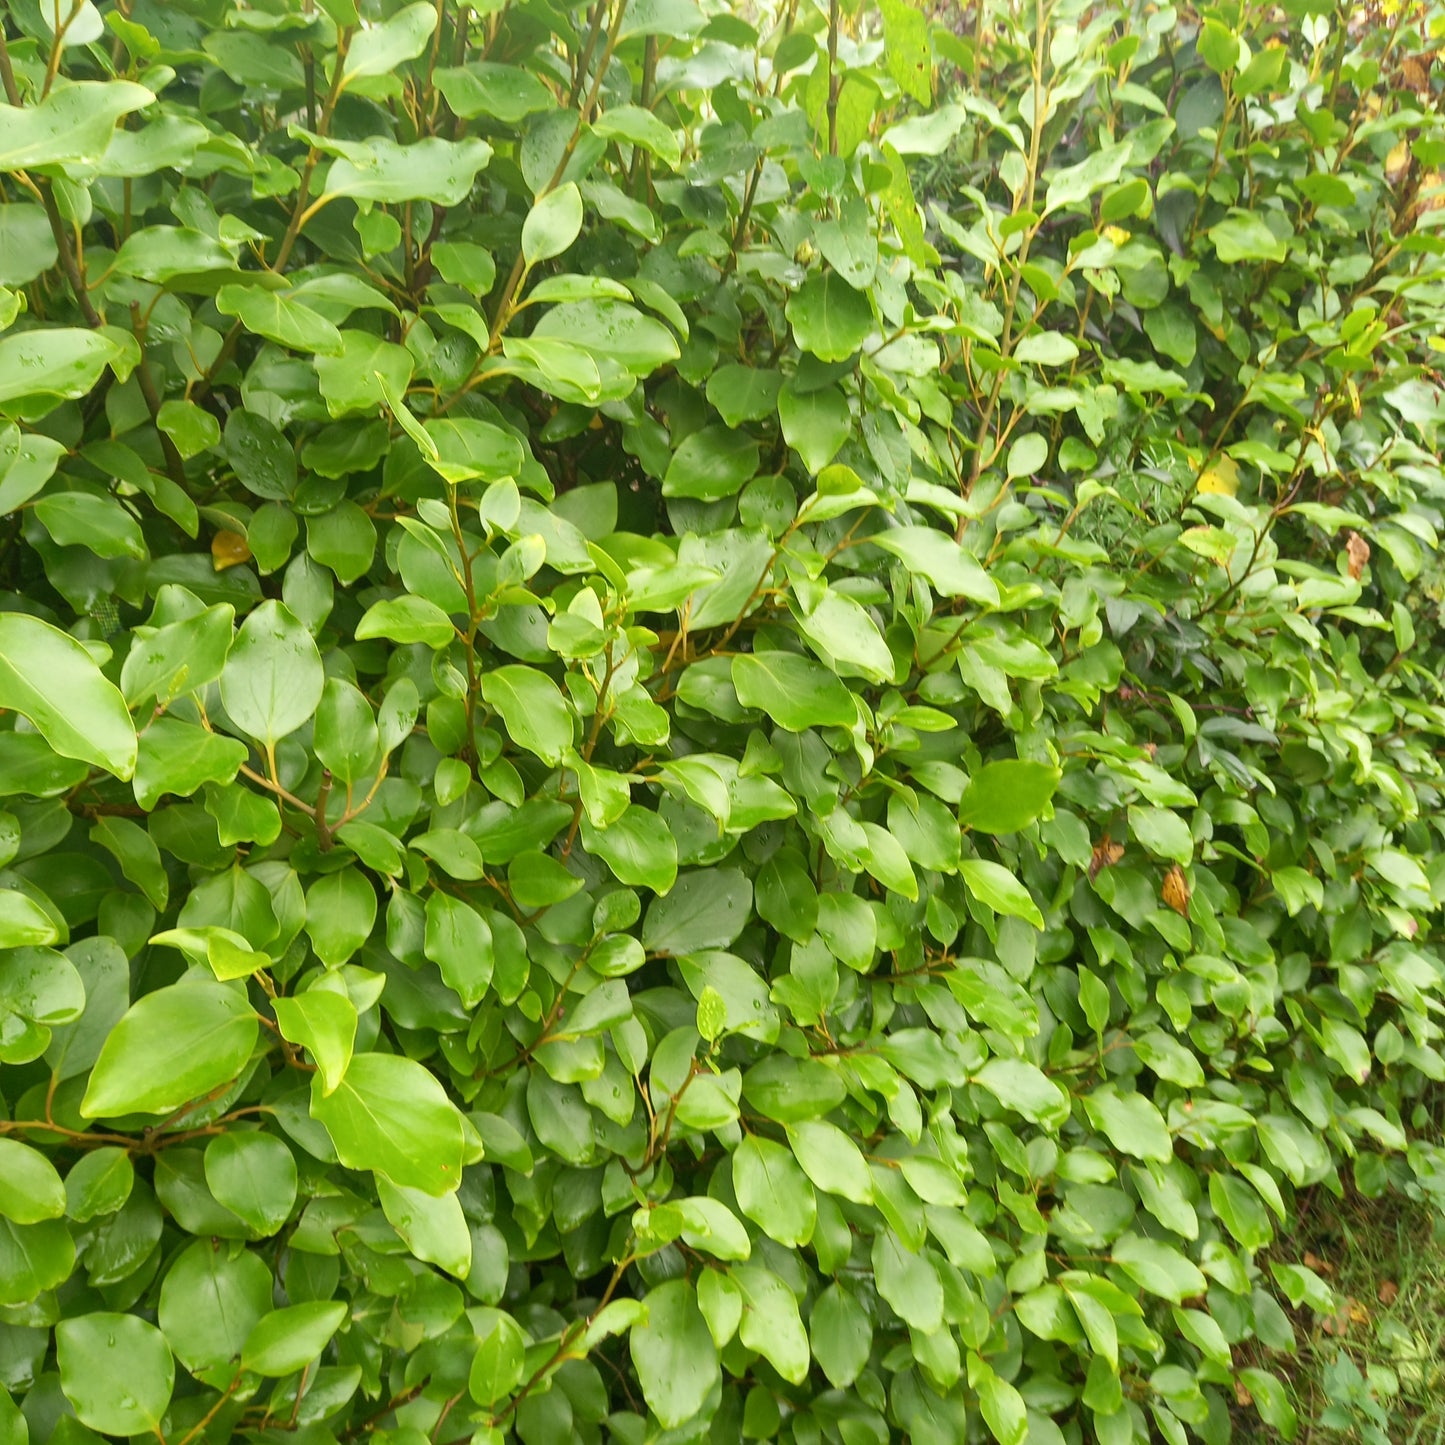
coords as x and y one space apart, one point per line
655 791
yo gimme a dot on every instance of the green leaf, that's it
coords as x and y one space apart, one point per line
815 423
910 61
496 1368
99 1183
273 678
770 1322
639 127
1133 1125
23 922
407 619
1159 1268
706 908
774 1192
389 1114
435 170
358 377
287 1340
33 1258
942 561
434 1228
280 319
792 691
116 1370
81 519
459 942
673 1353
379 49
324 1024
254 1176
177 757
506 93
1001 1406
996 887
711 464
831 1160
533 709
830 318
1007 795
54 363
262 460
1027 455
841 1335
173 1045
340 912
30 1189
72 125
637 847
552 224
1245 236
27 247
743 393
1025 1088
210 1300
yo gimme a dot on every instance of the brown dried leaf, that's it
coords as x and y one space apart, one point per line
1106 853
1175 891
1358 551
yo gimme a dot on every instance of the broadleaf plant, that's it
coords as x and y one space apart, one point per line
716 721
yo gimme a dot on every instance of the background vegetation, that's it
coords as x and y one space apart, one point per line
719 726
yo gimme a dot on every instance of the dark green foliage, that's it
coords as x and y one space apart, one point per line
714 726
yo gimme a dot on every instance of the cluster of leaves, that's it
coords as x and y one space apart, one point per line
655 792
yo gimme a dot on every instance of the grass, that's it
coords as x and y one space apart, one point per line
1374 1372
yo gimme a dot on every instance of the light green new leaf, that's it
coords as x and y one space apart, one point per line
552 224
532 707
323 1023
1025 1087
406 619
286 1340
1007 795
640 127
173 1045
433 1226
994 885
774 1192
30 1189
379 49
1001 1406
831 1160
506 93
50 678
392 1115
73 125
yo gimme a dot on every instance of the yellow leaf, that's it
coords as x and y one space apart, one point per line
229 549
1221 476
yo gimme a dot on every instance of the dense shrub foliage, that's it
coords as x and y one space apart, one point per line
717 724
